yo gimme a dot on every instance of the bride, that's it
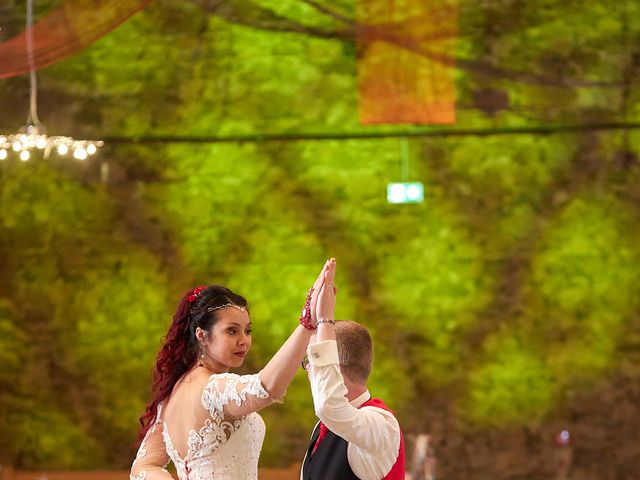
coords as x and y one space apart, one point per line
201 417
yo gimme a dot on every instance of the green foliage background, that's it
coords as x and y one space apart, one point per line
514 283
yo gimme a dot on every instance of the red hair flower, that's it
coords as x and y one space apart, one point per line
194 294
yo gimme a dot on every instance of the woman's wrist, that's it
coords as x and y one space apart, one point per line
307 332
307 324
305 317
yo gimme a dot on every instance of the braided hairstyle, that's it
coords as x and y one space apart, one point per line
180 349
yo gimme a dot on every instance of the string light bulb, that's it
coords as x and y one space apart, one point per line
80 153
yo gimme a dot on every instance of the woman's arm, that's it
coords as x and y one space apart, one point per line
279 372
152 457
229 395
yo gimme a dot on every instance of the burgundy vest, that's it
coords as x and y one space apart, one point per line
330 461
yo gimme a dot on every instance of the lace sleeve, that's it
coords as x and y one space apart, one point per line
230 395
152 457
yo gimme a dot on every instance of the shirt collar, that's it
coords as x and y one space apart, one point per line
359 400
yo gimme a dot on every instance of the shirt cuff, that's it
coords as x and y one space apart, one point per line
323 353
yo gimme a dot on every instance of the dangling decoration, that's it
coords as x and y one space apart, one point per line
402 77
33 136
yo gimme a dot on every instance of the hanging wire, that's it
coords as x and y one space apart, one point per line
404 159
32 118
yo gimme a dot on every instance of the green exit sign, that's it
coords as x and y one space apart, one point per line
406 192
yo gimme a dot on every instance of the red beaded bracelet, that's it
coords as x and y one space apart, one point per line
305 316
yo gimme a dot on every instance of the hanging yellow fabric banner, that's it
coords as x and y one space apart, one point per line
405 61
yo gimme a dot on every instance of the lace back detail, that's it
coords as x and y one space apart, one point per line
224 447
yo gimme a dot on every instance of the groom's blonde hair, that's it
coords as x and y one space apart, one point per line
355 350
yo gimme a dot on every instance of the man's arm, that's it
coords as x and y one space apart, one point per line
371 429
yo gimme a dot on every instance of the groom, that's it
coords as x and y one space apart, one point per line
358 436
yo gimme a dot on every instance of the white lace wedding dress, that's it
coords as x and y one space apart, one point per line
208 428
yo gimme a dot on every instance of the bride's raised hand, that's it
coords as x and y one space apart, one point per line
308 316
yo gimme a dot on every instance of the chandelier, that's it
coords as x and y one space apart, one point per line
33 138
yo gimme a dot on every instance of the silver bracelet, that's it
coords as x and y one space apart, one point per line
332 322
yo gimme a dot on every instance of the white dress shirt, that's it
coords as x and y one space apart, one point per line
373 434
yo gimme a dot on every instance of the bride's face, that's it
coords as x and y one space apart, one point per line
229 339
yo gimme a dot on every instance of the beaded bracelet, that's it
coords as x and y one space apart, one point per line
305 316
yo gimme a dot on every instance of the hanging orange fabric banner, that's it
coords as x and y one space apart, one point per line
405 59
69 28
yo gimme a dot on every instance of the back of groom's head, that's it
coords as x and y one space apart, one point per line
355 350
